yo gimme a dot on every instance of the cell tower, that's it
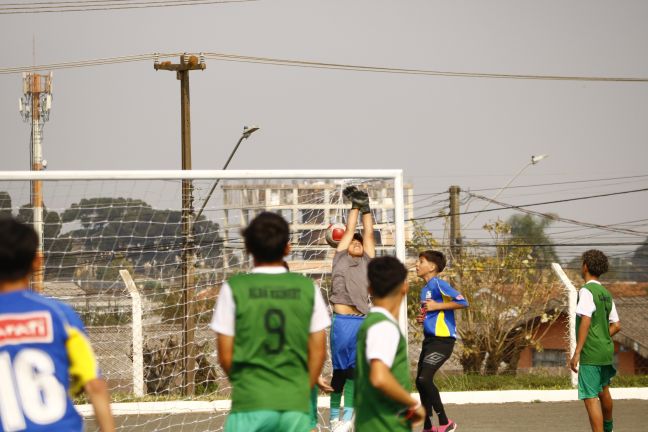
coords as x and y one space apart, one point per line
34 106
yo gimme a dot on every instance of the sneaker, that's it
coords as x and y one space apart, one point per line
451 426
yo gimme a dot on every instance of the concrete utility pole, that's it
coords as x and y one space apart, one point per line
182 69
455 224
34 106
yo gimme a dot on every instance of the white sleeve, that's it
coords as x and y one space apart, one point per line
585 306
223 321
614 315
382 342
320 318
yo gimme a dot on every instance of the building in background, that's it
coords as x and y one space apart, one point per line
309 208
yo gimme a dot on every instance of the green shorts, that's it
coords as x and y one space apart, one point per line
268 421
592 379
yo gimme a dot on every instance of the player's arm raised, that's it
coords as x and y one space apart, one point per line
368 239
352 219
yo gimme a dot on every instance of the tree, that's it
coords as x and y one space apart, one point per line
529 229
140 233
512 299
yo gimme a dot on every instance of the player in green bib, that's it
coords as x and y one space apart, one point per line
596 322
270 327
382 391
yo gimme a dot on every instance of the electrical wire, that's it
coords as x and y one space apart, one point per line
90 6
334 66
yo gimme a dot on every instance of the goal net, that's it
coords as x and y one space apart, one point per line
141 256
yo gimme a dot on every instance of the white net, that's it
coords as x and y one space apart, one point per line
93 229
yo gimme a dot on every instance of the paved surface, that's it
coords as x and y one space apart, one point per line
629 416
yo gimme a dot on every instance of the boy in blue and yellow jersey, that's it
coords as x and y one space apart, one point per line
44 352
438 303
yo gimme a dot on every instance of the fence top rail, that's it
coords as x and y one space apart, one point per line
200 174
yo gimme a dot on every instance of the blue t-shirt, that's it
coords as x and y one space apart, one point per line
440 323
44 355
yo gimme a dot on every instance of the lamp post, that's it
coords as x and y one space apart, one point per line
534 161
247 131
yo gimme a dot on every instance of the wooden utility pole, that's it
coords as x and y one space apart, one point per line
182 69
455 224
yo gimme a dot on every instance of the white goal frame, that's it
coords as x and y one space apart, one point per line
382 174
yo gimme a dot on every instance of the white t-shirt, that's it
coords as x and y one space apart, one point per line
382 339
223 320
586 305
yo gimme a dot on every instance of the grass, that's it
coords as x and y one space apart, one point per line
524 382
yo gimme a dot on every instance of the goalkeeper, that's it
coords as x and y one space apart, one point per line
350 302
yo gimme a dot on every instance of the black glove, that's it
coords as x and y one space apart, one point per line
348 192
360 201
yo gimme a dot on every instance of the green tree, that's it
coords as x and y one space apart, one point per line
512 299
142 234
531 230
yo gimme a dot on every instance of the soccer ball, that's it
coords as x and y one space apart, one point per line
334 234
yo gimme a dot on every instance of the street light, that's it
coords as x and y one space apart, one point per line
247 131
534 161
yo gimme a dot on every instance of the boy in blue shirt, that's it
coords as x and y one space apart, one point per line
438 303
45 355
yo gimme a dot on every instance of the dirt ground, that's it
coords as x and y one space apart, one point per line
629 416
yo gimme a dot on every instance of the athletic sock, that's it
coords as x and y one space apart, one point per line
336 398
349 387
608 425
443 418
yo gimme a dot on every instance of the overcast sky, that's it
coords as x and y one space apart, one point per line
476 133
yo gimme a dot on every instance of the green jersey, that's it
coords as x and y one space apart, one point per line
599 348
376 412
272 322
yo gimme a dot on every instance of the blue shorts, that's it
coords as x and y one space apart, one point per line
344 337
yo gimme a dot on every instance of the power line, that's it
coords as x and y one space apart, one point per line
391 70
541 184
89 6
334 66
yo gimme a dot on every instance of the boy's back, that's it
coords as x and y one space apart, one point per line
273 316
376 411
39 340
597 300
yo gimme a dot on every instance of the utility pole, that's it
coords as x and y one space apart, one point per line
35 106
455 224
182 69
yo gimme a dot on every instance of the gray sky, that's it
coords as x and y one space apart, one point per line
472 132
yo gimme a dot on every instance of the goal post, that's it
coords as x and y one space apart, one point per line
572 295
108 230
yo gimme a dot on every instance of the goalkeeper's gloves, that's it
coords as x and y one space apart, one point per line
360 201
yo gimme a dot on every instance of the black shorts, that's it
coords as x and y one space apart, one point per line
435 351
